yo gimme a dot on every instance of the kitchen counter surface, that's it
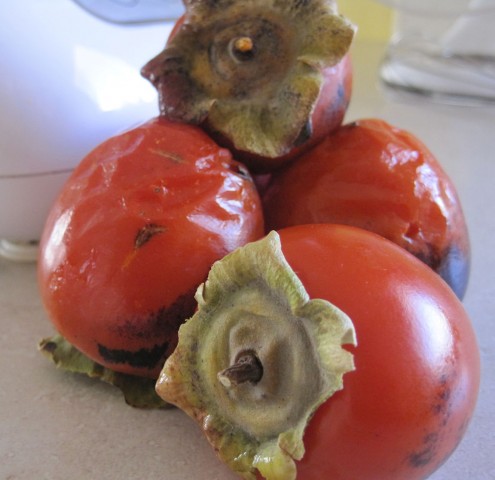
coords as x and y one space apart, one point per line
56 426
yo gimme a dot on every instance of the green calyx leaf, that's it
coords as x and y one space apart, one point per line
138 391
237 368
266 129
250 70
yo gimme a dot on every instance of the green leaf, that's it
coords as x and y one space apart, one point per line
138 392
327 41
271 128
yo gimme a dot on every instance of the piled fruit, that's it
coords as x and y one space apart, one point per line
291 282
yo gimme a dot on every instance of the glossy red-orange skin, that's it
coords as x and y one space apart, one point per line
406 406
375 176
133 233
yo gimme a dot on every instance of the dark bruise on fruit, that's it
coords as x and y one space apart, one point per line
441 405
454 268
146 233
427 454
252 74
164 322
452 264
142 358
442 410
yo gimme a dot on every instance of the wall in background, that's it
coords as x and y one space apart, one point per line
373 19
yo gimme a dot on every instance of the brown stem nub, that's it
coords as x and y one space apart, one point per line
242 48
243 44
247 368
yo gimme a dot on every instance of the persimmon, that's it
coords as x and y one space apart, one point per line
269 368
373 175
133 233
267 80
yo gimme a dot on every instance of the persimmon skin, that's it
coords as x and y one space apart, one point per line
372 175
408 403
133 233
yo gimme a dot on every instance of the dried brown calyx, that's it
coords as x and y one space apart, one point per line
251 70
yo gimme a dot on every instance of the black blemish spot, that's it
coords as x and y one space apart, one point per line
441 405
430 257
304 134
146 233
421 458
142 358
438 408
164 323
425 456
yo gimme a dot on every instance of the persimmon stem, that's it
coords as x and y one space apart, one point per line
243 44
247 368
242 49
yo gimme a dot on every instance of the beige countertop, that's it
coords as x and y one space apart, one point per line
56 426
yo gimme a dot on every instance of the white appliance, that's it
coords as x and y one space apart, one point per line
70 78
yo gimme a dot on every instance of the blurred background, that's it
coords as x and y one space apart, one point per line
374 19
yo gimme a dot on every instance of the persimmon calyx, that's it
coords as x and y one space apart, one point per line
237 369
251 69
